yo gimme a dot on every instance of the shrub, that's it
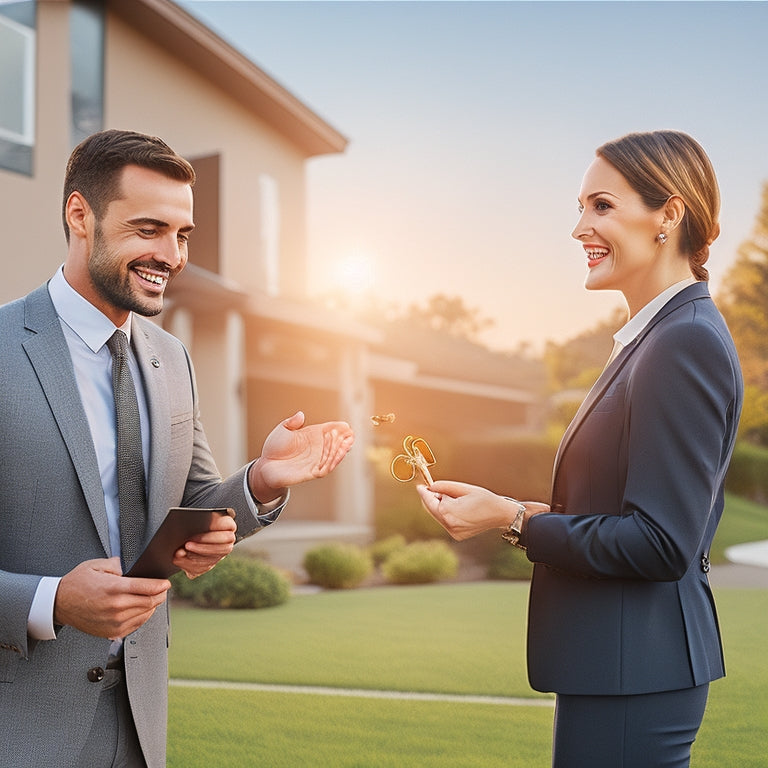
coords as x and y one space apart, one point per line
337 566
421 562
510 563
236 582
748 472
380 550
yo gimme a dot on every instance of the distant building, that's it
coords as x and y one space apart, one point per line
261 348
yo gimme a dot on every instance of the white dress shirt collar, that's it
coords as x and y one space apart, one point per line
629 332
89 323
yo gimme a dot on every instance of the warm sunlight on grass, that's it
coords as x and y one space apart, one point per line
464 638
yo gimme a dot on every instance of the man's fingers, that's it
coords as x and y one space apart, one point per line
336 444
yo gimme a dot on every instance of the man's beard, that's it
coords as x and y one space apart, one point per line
115 287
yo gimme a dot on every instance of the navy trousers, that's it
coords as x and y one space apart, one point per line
654 730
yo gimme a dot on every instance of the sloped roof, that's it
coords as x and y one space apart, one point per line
201 49
451 357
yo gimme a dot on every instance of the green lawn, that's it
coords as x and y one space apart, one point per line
459 638
453 638
742 521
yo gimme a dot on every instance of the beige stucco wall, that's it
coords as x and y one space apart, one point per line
149 90
33 239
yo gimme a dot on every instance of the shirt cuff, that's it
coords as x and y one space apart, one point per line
40 621
266 513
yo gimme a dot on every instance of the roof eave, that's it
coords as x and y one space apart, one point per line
170 26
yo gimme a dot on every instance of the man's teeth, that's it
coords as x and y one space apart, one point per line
157 279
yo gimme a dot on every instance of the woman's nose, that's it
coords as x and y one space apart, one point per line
582 228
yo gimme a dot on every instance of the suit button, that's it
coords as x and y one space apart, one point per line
95 674
705 563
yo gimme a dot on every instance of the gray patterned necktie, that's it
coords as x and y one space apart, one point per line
130 461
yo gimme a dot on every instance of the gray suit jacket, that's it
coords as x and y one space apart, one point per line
620 602
52 517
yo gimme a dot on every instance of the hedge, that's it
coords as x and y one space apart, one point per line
748 473
337 565
235 582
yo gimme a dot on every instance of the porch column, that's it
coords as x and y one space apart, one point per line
216 343
354 501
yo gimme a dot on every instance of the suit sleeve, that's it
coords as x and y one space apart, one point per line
204 485
680 416
17 591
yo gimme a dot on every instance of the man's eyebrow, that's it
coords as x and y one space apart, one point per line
157 223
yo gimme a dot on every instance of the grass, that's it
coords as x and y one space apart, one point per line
457 638
453 638
292 731
442 638
742 521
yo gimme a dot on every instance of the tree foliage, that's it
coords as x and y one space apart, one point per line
449 314
576 363
744 303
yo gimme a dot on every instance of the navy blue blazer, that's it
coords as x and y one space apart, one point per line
620 601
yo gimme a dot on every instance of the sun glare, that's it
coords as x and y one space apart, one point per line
354 274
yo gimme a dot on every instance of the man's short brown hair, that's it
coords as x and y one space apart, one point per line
95 166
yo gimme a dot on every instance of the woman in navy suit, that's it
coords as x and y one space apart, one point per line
622 624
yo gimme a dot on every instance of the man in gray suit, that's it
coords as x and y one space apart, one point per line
83 649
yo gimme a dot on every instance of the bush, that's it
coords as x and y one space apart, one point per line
421 562
382 549
337 566
748 472
236 582
510 563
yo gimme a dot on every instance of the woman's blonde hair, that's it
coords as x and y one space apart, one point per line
661 164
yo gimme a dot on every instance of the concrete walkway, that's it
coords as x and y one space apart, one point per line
364 693
747 567
753 553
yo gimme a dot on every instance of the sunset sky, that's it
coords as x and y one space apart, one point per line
472 123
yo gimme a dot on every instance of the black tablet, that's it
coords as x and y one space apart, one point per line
179 526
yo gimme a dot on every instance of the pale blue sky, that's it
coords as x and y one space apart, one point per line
472 123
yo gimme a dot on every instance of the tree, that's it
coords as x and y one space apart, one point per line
449 314
744 303
576 363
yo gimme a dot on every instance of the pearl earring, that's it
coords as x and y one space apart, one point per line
662 238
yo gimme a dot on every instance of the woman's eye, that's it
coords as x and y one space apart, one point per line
602 205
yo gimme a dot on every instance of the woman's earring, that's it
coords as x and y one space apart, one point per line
662 238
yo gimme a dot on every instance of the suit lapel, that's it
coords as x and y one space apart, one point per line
589 402
695 291
156 392
49 355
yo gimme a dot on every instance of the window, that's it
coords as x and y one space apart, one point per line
17 86
86 35
204 243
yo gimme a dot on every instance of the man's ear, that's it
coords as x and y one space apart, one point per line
79 215
674 210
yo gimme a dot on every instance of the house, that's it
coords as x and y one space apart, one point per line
261 348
